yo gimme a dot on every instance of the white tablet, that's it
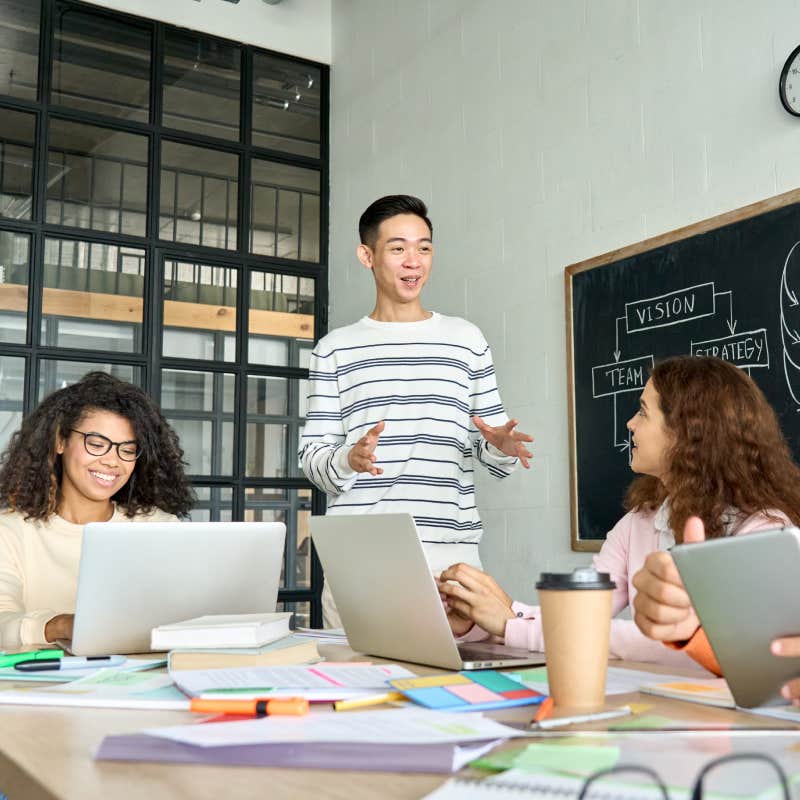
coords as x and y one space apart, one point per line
746 592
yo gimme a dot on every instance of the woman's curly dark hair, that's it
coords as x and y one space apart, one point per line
30 468
728 450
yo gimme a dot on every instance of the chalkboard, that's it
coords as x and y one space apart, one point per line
727 287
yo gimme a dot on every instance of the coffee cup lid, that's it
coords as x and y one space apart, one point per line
580 578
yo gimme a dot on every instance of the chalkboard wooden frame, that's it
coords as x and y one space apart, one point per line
611 258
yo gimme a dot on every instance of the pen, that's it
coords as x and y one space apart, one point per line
69 662
372 700
545 710
290 706
238 690
32 655
556 722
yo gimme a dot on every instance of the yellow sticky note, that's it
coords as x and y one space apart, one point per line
430 680
691 687
639 708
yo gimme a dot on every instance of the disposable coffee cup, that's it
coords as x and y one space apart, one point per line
576 624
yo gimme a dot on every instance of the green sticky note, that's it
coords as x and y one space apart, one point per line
108 677
645 722
498 761
563 756
495 681
538 675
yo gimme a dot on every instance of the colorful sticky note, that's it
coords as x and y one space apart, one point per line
474 693
461 691
436 697
495 681
562 756
430 680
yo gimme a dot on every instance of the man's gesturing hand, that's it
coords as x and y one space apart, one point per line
506 439
362 457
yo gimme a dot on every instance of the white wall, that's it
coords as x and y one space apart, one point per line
296 27
542 133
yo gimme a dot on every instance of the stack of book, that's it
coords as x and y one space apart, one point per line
239 640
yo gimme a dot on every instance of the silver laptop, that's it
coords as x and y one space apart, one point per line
744 590
387 596
134 576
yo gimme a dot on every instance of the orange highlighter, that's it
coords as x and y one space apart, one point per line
545 710
285 706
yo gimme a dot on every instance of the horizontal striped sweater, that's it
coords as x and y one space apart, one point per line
425 380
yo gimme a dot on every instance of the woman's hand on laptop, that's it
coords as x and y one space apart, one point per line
59 627
788 646
662 607
474 594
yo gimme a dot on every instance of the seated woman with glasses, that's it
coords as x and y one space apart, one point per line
705 441
96 451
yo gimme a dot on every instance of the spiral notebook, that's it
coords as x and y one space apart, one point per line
518 785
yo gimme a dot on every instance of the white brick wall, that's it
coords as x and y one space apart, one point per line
543 132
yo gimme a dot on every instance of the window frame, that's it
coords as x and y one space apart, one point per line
149 360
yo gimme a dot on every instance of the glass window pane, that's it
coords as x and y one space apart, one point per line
199 406
285 211
292 507
19 47
101 64
286 105
96 178
273 427
267 396
58 374
14 272
12 388
92 292
281 318
198 195
199 311
214 504
267 452
17 133
201 84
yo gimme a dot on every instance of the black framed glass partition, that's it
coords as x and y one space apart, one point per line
163 217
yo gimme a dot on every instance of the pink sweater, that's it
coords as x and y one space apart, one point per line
622 555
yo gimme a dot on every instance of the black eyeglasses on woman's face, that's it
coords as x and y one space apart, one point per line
98 445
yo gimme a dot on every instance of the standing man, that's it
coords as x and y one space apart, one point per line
402 402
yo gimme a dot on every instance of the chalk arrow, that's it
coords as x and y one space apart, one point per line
621 446
792 334
789 293
617 351
732 323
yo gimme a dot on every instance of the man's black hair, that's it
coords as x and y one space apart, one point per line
385 208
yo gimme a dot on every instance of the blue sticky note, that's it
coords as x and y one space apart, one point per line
435 697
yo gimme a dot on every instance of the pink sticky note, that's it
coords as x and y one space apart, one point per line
474 693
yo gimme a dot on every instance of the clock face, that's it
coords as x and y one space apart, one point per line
789 84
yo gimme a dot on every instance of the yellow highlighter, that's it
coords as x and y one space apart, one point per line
372 700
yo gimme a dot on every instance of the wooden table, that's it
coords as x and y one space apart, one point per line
47 754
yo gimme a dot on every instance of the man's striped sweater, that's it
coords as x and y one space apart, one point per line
425 380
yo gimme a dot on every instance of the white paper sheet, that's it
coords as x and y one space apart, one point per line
333 681
618 680
392 726
106 688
